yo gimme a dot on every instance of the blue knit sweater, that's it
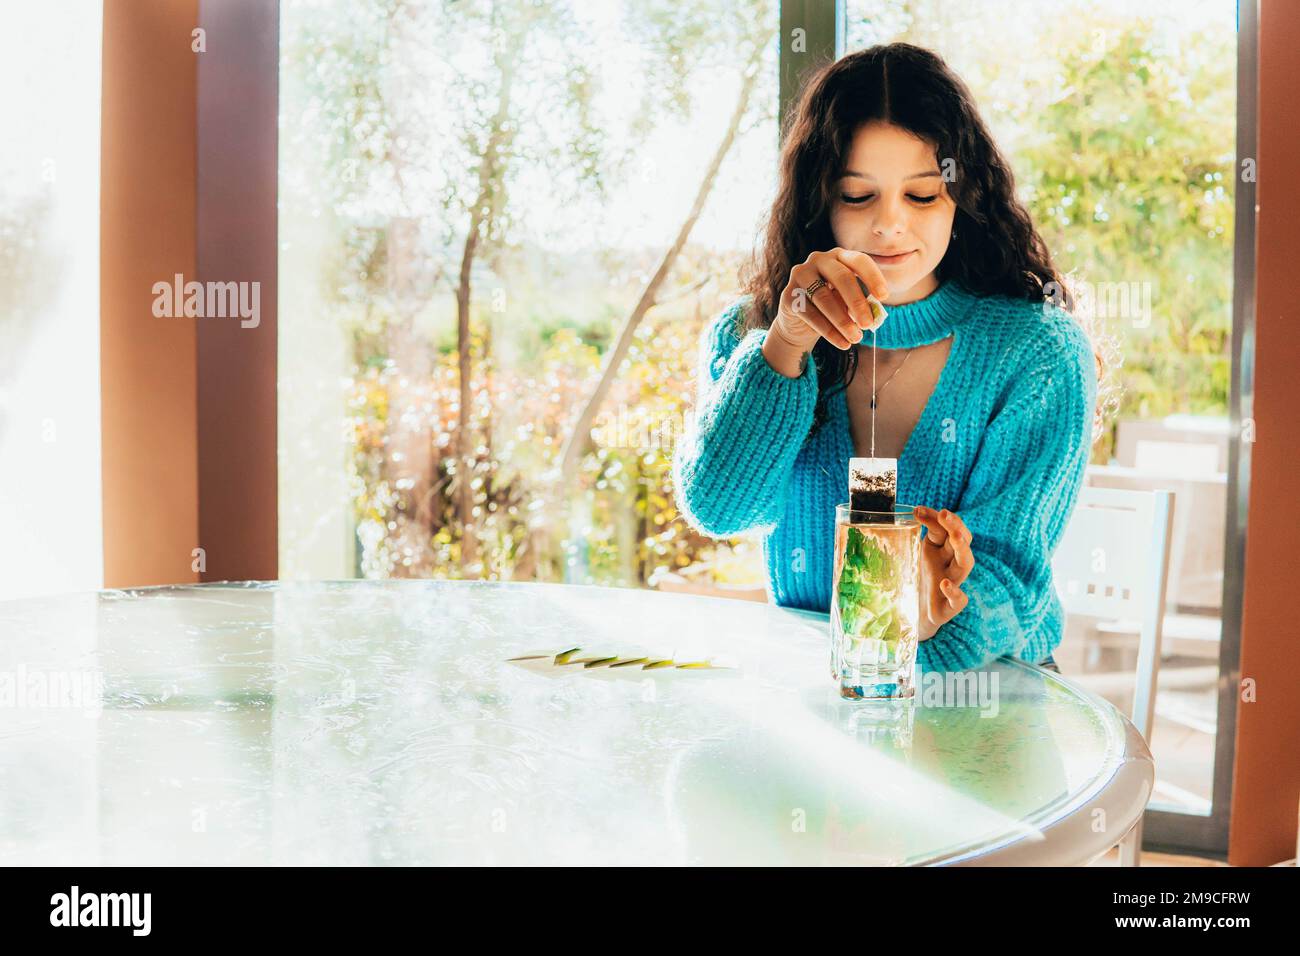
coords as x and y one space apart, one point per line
1003 441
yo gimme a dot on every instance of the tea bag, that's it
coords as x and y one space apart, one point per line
877 309
873 484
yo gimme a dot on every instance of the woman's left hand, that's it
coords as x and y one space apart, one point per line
946 561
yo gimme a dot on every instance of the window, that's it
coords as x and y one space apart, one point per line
496 188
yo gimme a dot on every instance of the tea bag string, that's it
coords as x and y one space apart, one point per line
873 393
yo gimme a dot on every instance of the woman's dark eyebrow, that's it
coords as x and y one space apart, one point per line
927 175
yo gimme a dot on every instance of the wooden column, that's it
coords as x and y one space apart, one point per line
1266 783
188 187
238 107
148 374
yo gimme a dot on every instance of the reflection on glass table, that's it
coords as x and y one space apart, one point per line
383 723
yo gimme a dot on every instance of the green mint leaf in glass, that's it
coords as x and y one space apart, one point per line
867 579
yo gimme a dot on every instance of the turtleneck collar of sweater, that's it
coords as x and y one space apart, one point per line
924 320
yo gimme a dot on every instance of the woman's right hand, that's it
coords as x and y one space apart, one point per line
838 311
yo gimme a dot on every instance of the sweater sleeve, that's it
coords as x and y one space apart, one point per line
732 466
1021 491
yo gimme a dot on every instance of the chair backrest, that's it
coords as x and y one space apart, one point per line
1113 561
1196 550
1188 444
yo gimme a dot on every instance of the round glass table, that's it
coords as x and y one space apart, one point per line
385 722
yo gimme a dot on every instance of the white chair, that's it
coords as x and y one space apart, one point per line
1186 444
1196 549
1113 562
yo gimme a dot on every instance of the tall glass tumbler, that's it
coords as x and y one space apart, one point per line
875 602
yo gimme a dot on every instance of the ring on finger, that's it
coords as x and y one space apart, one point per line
816 286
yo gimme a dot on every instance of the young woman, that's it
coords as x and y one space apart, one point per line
986 386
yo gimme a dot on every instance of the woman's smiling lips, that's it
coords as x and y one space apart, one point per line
890 260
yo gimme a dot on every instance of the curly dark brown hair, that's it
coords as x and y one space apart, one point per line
997 250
